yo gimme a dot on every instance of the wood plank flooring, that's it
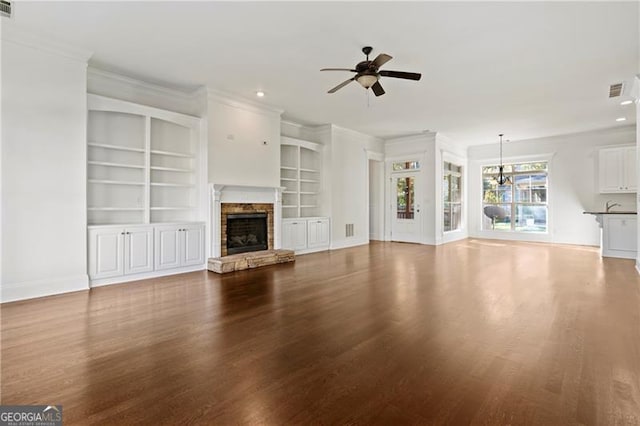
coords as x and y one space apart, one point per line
473 332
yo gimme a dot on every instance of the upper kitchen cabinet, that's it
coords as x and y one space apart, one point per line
617 170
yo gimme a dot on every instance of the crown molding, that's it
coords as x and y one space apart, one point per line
30 39
242 103
143 85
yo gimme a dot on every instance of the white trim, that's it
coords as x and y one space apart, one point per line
223 193
242 103
155 274
374 155
103 103
346 243
93 72
12 292
451 236
288 140
26 38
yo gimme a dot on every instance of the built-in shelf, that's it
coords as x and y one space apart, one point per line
172 208
142 156
171 154
301 176
124 209
171 169
290 207
115 182
173 185
122 165
115 147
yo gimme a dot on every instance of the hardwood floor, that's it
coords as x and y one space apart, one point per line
478 331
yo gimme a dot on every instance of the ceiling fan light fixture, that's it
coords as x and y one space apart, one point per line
367 80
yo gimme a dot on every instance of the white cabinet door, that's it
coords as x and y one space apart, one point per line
167 246
192 244
106 253
294 234
630 166
318 233
610 170
138 250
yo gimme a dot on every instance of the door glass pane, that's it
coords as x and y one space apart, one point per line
405 197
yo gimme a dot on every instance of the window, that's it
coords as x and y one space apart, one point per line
405 165
452 197
521 203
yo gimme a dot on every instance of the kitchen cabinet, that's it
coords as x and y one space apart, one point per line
617 170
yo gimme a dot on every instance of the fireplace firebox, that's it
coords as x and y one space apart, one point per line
247 232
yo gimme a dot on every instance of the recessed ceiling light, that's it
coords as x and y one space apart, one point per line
620 119
626 102
260 94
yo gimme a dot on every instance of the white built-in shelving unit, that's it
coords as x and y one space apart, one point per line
145 191
301 177
303 229
142 164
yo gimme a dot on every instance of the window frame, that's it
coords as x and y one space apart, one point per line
545 158
460 175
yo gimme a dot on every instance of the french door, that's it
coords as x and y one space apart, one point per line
405 208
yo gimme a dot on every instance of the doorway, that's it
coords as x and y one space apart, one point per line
405 210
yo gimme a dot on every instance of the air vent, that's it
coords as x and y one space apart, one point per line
615 90
348 232
5 8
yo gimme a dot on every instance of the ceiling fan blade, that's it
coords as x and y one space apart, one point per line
377 89
341 85
401 74
337 69
381 59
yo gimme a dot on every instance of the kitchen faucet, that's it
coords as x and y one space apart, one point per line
612 205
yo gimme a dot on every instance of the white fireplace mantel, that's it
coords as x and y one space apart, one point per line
227 193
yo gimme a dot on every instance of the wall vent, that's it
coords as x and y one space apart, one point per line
348 231
5 8
615 90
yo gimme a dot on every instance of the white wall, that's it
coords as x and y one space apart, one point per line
573 186
376 200
349 185
43 171
237 152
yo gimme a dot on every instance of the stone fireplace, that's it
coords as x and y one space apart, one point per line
245 227
241 205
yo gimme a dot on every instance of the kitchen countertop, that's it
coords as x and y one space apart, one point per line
611 212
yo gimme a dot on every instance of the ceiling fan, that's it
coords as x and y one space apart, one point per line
369 73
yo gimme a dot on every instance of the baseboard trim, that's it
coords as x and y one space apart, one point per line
337 245
137 277
12 292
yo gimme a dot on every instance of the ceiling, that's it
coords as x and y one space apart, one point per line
525 69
